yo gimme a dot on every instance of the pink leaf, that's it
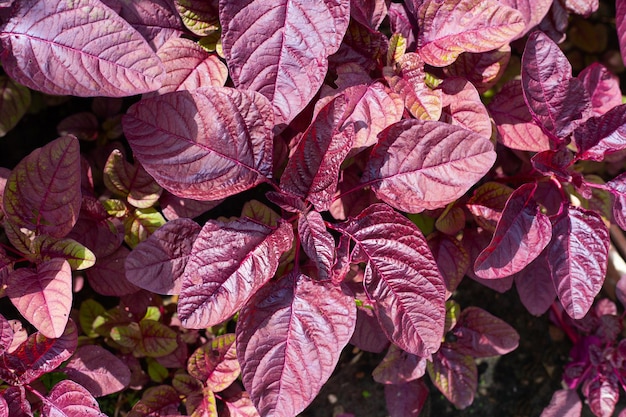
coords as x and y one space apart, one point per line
361 46
79 48
157 264
578 256
620 22
266 44
289 337
419 165
474 241
399 367
602 86
369 12
219 279
98 370
108 276
564 403
401 276
241 406
534 286
481 69
215 363
602 135
522 233
480 334
317 243
455 375
174 207
206 144
68 399
43 191
189 66
582 7
602 393
449 28
555 99
487 203
18 405
406 400
43 295
533 11
463 107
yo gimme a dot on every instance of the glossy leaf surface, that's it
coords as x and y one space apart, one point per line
317 243
69 399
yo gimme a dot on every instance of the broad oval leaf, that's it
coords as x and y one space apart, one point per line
161 400
108 276
130 180
455 375
158 263
14 102
480 334
267 43
156 339
42 193
555 99
463 107
564 403
402 278
521 235
602 86
406 400
482 69
289 337
317 243
69 399
399 367
79 48
97 370
534 285
43 295
215 363
423 165
206 144
77 255
219 279
449 28
578 257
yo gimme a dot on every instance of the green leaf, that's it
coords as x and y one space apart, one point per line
87 314
77 255
140 224
155 340
157 372
14 101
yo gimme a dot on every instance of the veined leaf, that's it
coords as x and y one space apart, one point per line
97 370
317 243
215 363
69 399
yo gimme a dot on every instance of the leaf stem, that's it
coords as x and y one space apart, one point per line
566 328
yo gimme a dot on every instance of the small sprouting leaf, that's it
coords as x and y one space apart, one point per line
87 314
43 295
399 367
199 16
419 165
317 243
215 363
291 331
451 221
14 101
37 356
256 210
406 400
402 278
69 399
455 375
42 193
157 264
578 257
98 370
265 44
219 279
83 125
79 48
162 400
449 28
522 233
555 99
130 181
206 144
480 334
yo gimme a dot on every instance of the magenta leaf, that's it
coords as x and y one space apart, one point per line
79 48
69 399
602 135
602 393
130 181
265 45
14 102
401 276
215 363
4 407
617 187
522 233
292 331
317 243
361 46
219 279
555 99
534 285
620 22
480 334
402 21
533 11
463 107
6 334
18 405
287 202
449 28
189 66
97 370
368 334
108 276
451 257
174 207
582 7
241 406
455 375
399 367
369 12
207 144
578 256
602 86
43 295
487 203
157 264
313 169
156 401
564 403
37 356
481 69
406 400
516 128
42 194
419 165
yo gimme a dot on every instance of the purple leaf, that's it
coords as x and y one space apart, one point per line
368 335
215 363
317 243
555 99
42 193
555 23
463 107
157 264
174 207
516 128
487 203
265 45
399 367
98 370
189 66
292 331
219 279
159 401
101 236
455 375
14 102
578 256
406 400
130 180
533 11
6 334
369 12
402 22
602 86
43 295
17 403
564 403
480 334
620 22
534 286
68 399
83 125
449 28
313 169
481 69
241 406
108 276
522 233
79 48
37 356
419 165
286 201
401 276
207 144
451 257
361 46
475 241
199 16
602 135
602 393
617 187
4 407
